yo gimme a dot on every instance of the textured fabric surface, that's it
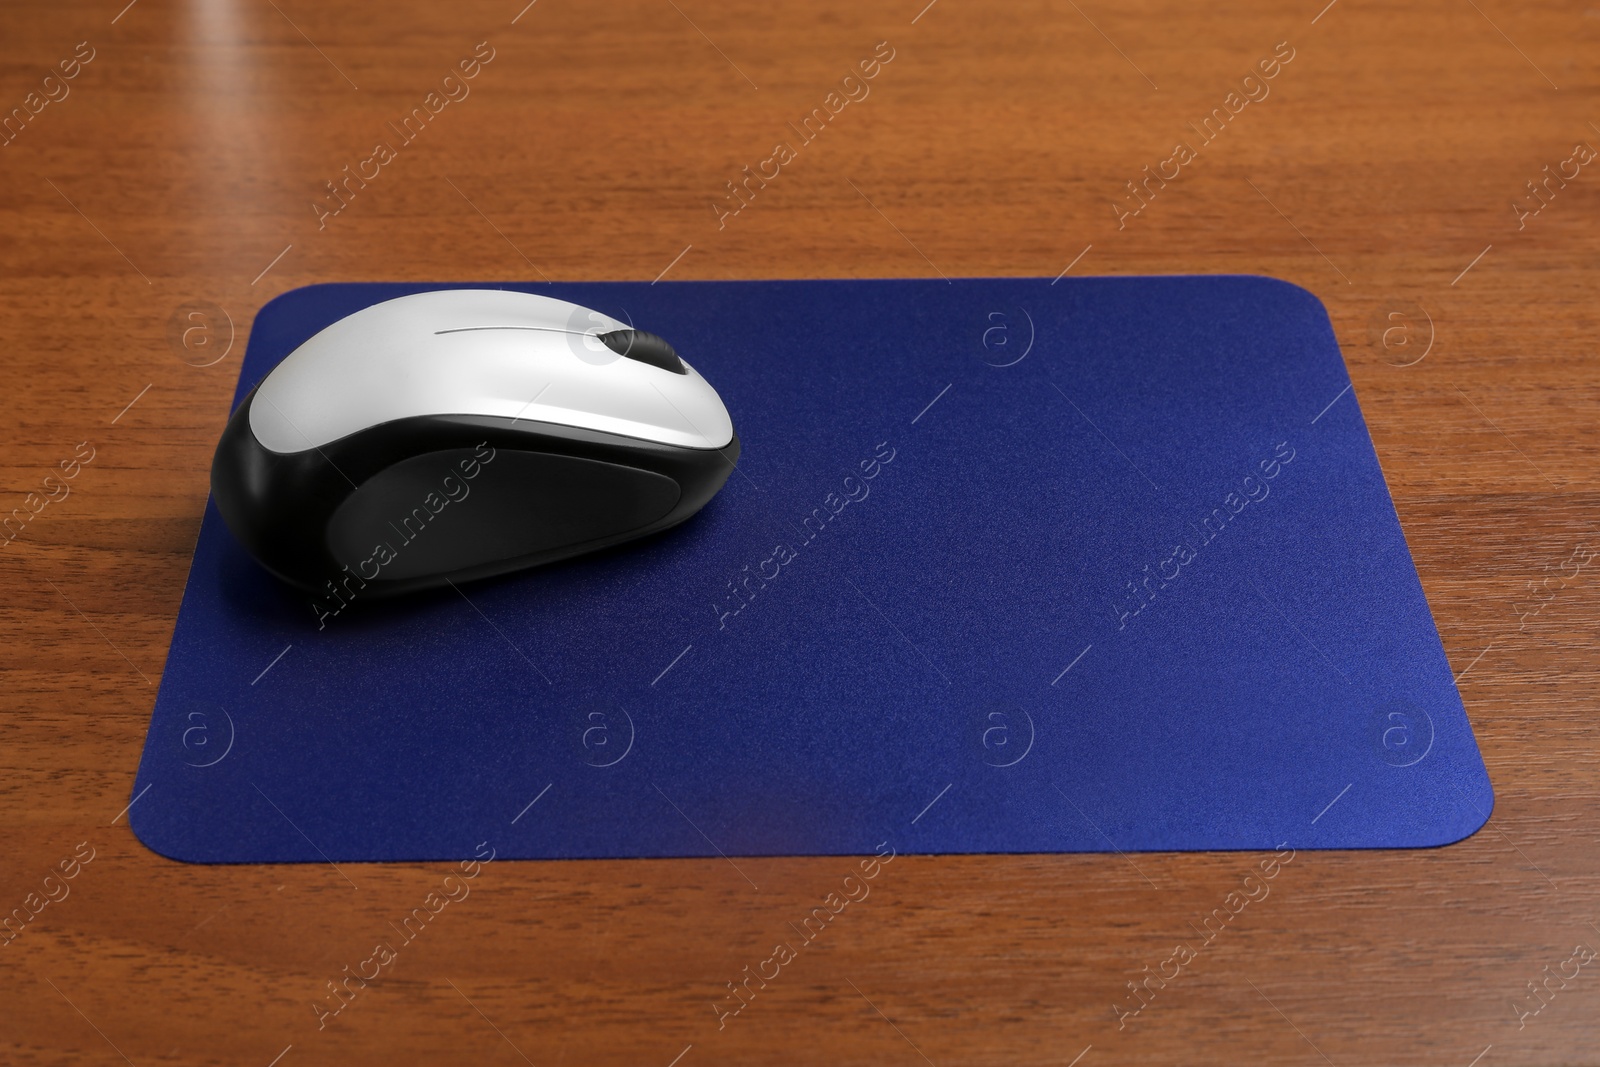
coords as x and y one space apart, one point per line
1007 566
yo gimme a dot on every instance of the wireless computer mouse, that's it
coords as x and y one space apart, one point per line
463 433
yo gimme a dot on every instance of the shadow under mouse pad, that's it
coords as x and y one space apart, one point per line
1006 566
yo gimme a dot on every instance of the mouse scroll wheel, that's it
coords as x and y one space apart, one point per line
644 347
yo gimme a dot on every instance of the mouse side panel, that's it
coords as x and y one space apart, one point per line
418 502
462 509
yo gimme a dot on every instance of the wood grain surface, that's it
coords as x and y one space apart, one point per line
177 171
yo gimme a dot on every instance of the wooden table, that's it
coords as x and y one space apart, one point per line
173 185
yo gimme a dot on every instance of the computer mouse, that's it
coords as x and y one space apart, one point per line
458 434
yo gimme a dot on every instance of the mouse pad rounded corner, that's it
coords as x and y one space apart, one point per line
1006 565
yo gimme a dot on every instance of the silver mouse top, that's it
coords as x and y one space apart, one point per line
484 352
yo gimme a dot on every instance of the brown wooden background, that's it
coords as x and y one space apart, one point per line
1386 158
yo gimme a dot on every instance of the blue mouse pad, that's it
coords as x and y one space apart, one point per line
1007 565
